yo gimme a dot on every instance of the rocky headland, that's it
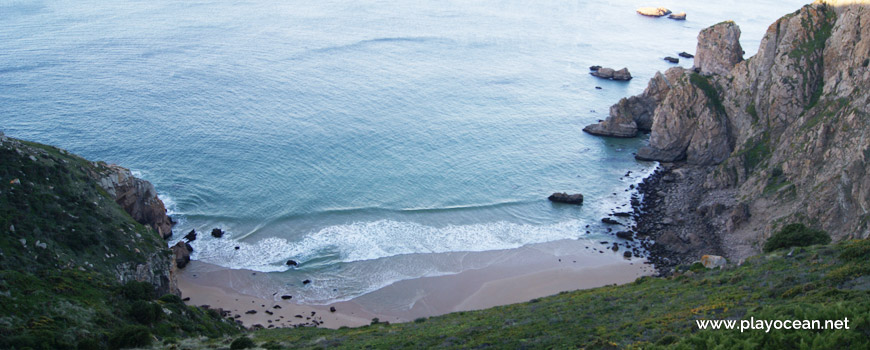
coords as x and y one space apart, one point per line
83 260
748 146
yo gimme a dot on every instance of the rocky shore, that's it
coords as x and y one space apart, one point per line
748 146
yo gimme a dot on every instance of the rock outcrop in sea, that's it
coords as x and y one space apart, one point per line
752 145
653 11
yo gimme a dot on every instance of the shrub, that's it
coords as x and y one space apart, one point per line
242 343
795 235
89 344
171 299
145 312
135 290
130 336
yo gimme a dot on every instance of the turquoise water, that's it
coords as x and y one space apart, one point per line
349 135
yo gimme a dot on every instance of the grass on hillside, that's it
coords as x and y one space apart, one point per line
829 282
62 240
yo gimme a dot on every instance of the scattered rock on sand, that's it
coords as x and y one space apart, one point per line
251 312
563 197
653 11
217 233
627 254
678 16
672 59
286 297
332 309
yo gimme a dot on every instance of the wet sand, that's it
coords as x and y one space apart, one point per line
509 276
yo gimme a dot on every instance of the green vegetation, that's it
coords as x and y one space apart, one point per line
755 151
796 235
776 181
823 282
713 99
62 243
752 112
242 343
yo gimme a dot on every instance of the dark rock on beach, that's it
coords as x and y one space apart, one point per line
181 252
610 221
286 297
566 198
627 235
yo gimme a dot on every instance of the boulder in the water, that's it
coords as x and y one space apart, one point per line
563 197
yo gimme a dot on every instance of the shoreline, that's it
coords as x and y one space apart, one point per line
512 276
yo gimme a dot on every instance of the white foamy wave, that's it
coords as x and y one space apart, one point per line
378 239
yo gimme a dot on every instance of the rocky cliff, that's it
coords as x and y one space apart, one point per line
70 206
76 269
752 145
138 198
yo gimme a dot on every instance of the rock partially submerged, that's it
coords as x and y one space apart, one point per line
635 113
672 59
610 221
653 11
566 198
609 73
217 233
190 236
685 54
678 16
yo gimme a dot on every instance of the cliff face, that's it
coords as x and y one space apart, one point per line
775 139
138 198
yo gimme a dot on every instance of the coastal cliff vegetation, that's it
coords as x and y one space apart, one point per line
774 148
76 270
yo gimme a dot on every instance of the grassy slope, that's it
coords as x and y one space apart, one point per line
66 295
820 282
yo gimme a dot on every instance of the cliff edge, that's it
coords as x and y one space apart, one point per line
749 146
83 260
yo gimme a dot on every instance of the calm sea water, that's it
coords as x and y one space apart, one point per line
350 136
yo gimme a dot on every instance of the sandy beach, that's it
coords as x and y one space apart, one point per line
509 276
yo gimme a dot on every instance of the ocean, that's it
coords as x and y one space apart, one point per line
361 139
